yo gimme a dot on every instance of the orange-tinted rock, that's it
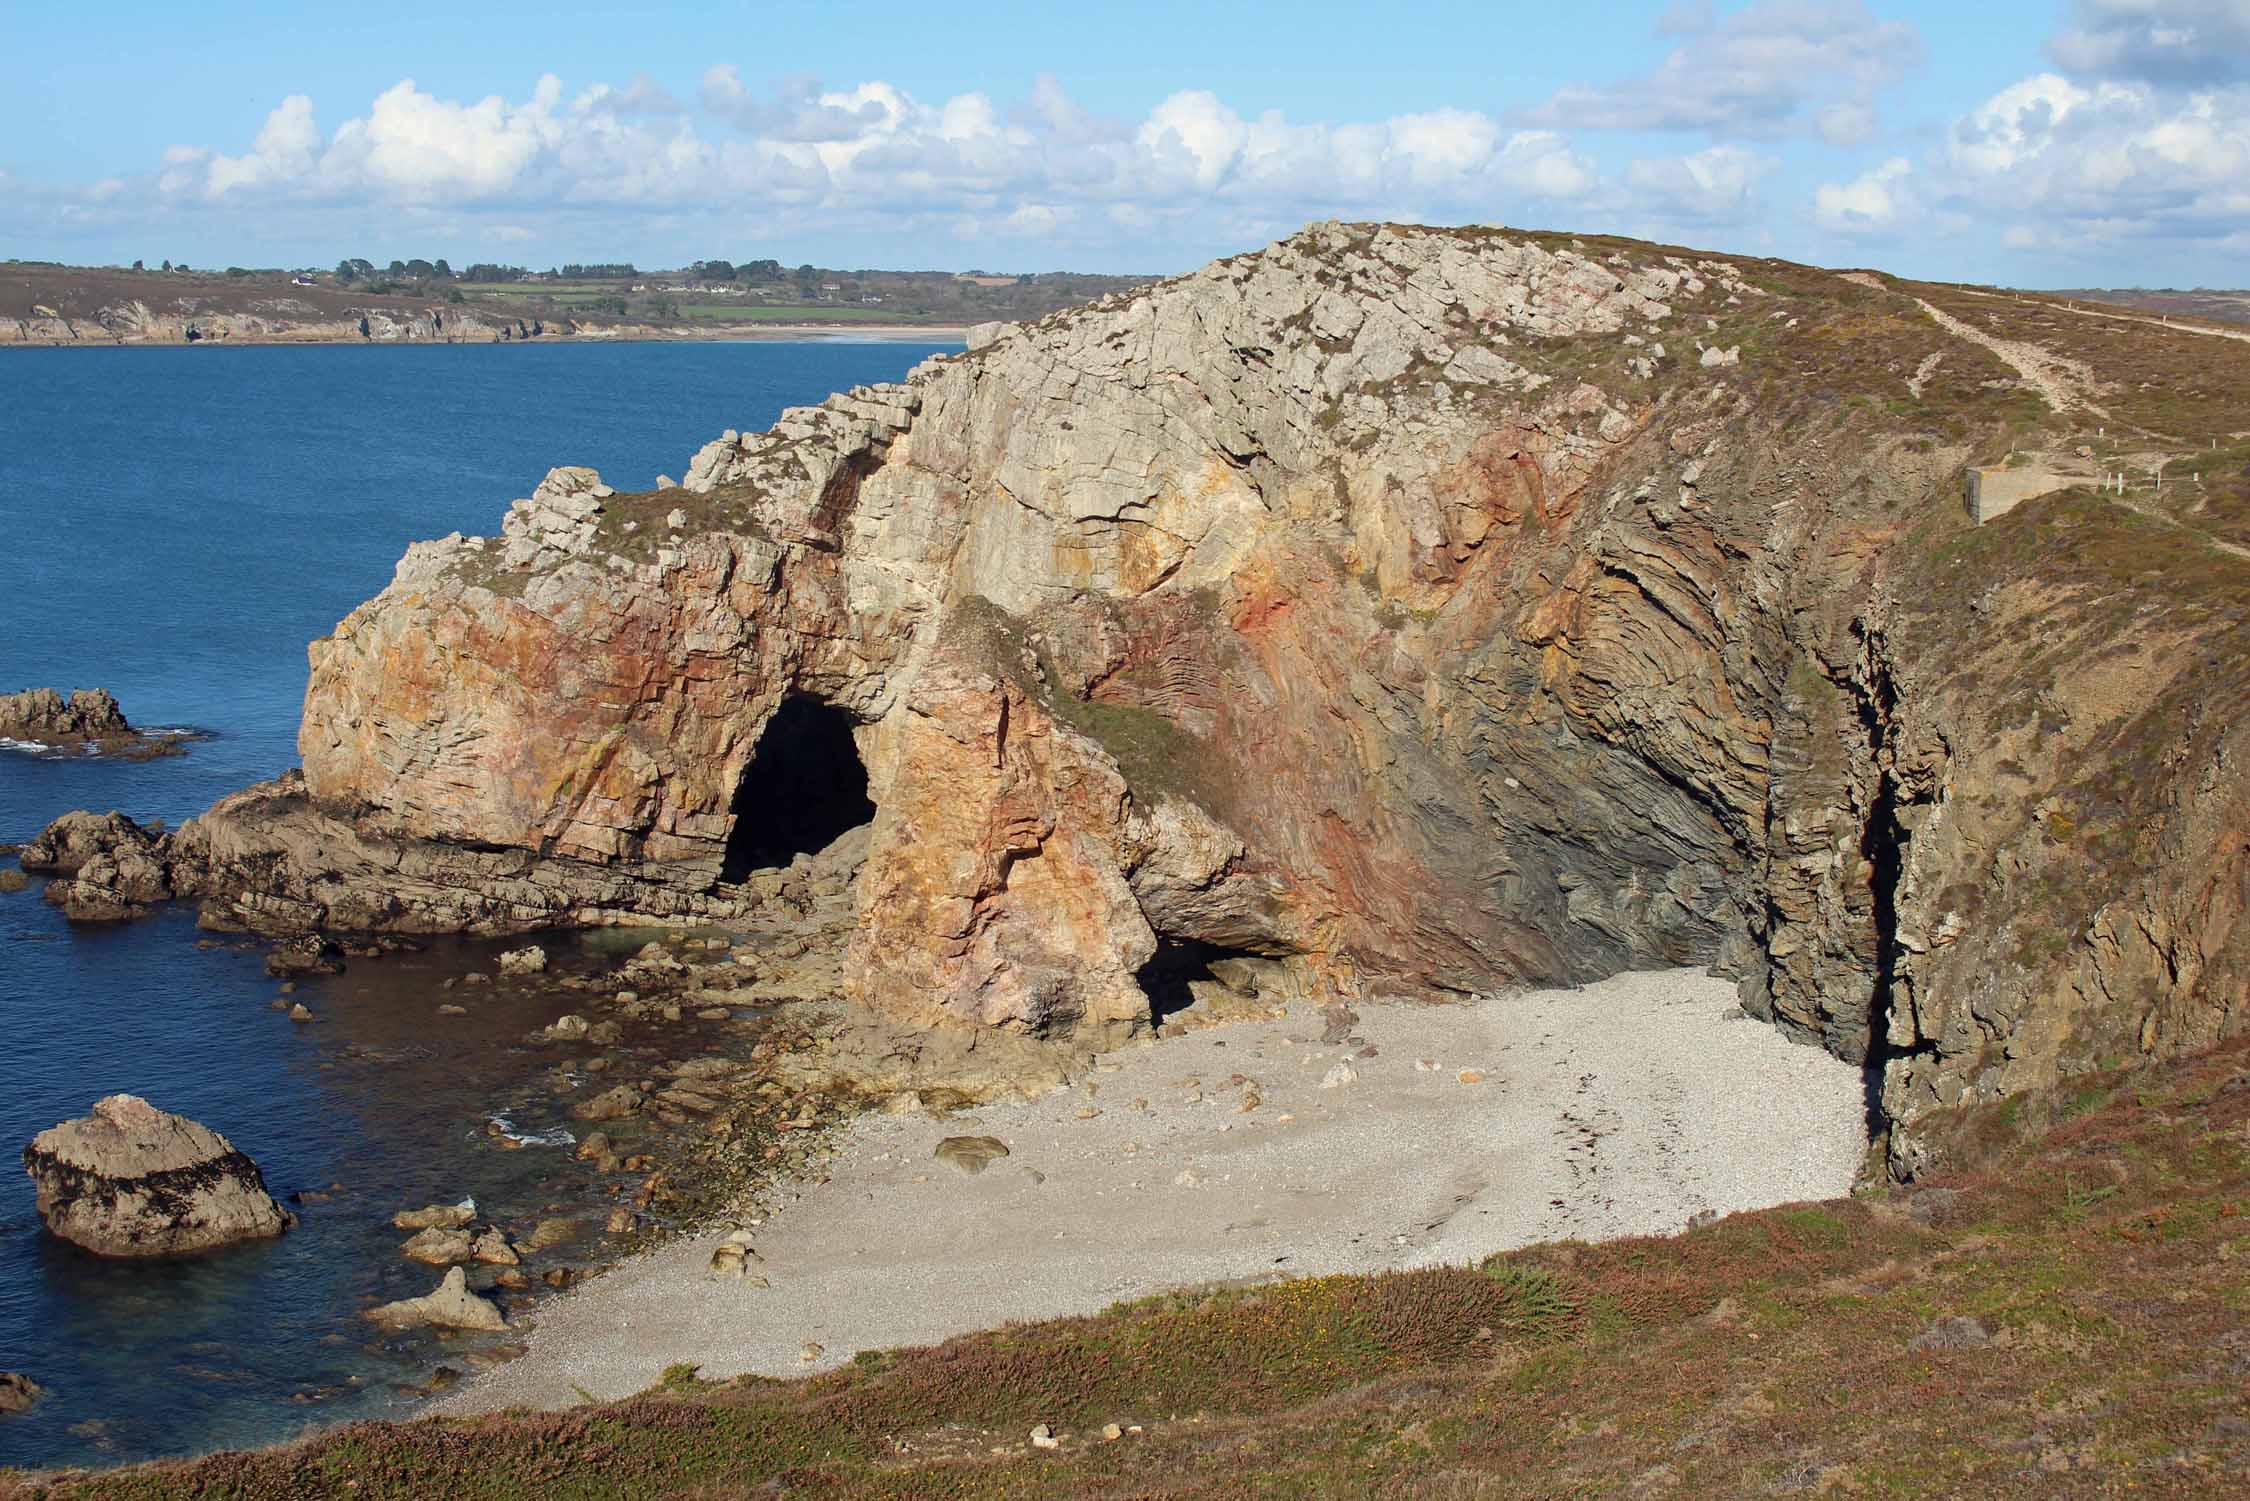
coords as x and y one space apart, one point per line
1391 612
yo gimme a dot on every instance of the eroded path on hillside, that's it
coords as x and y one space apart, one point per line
2063 383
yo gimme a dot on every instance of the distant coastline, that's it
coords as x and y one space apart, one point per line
45 305
311 338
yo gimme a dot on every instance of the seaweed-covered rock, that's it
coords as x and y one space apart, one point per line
131 1180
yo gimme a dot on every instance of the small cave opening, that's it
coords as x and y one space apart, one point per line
805 785
1169 976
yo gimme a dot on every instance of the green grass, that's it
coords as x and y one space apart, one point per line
749 312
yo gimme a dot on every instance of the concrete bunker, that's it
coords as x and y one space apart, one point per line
804 787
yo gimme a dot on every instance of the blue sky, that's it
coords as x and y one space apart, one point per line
2034 142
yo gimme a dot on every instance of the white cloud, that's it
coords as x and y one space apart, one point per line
1872 203
1194 131
873 151
2113 153
288 146
1775 68
2017 123
643 96
2180 41
1717 185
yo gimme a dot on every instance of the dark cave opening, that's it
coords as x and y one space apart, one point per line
1174 967
804 786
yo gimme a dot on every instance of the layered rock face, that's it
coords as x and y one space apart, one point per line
130 1180
1392 612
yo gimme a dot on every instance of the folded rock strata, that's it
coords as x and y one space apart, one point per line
1391 612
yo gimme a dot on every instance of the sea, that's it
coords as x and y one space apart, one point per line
175 526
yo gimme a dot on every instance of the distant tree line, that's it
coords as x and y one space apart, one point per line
354 269
729 271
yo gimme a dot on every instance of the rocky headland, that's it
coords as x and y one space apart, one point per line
1392 613
130 1180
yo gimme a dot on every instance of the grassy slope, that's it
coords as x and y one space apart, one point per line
2097 1233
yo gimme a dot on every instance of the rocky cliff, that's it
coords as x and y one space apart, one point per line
267 320
1392 612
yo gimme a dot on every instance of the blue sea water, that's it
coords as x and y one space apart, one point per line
176 525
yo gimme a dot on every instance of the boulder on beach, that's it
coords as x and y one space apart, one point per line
450 1306
131 1180
492 1249
970 1153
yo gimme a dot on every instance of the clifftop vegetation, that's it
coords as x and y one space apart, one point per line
2060 1313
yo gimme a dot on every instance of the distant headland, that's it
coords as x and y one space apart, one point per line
46 304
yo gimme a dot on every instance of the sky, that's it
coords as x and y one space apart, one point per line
2021 142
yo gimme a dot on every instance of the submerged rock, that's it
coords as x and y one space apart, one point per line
450 1306
18 1392
435 1216
131 1180
436 1246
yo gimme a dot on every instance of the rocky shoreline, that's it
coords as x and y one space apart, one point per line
230 330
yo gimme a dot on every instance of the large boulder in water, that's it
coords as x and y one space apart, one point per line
131 1180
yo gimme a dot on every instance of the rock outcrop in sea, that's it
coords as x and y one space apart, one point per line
18 1393
130 1180
1391 612
88 719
